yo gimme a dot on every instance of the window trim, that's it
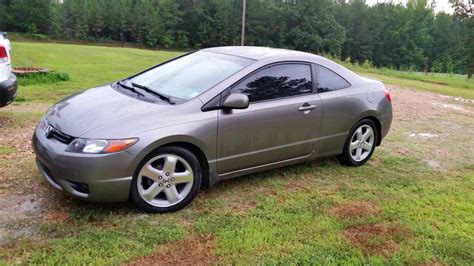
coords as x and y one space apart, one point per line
227 91
317 74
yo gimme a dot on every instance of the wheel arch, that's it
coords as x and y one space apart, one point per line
200 155
185 143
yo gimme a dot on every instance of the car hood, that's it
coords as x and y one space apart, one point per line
93 108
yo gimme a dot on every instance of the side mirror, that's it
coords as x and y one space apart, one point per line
236 101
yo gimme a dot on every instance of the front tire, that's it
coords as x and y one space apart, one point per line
167 180
360 143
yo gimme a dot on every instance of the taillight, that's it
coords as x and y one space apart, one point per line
387 95
3 54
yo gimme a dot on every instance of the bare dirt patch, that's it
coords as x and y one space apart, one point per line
409 105
437 129
19 139
457 99
27 107
376 239
451 106
190 251
431 263
58 216
354 209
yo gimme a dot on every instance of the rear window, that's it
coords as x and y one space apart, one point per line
329 80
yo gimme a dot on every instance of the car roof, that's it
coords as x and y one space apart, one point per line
254 52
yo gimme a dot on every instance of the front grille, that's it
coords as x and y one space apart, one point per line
52 132
64 138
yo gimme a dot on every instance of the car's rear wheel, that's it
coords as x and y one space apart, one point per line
360 143
167 180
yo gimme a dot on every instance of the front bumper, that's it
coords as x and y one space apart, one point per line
92 177
8 89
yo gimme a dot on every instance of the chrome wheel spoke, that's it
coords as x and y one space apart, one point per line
152 191
184 177
367 134
150 172
172 194
359 133
353 145
170 164
367 146
358 153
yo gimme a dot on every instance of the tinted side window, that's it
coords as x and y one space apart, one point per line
330 81
276 81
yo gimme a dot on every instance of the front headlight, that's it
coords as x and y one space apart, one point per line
100 145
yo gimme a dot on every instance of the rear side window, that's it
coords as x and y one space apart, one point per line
328 80
277 81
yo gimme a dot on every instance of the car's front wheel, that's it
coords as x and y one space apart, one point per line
360 143
167 180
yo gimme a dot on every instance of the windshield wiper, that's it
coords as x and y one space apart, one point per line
129 88
162 96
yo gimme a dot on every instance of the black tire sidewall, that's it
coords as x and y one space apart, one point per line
197 173
346 157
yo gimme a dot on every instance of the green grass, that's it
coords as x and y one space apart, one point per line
50 77
5 149
96 245
282 216
447 84
294 227
87 66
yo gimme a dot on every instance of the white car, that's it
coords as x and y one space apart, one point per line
8 82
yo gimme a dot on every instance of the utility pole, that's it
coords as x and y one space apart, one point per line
242 37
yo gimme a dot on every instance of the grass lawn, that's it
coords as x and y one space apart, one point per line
87 66
412 203
447 84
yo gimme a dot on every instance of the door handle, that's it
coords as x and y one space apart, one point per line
307 107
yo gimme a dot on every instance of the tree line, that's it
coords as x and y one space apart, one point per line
407 37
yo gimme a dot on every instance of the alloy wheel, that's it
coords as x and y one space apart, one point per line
165 180
362 143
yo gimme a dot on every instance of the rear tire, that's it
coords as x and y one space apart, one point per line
167 180
360 143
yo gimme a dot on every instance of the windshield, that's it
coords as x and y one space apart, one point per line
191 75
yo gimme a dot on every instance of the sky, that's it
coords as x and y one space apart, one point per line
441 5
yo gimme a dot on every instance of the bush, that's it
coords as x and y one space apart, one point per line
367 64
40 78
37 36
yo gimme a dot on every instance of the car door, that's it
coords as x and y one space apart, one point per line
281 122
342 103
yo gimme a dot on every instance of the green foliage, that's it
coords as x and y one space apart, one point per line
390 35
37 36
50 77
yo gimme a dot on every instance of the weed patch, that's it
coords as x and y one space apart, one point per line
354 209
376 239
42 78
6 149
190 251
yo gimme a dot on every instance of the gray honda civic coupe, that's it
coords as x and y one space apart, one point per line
158 136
